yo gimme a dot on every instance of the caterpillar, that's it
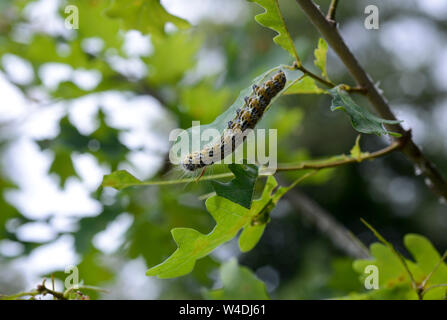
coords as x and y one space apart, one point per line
246 118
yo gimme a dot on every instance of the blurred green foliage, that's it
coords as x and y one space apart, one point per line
306 264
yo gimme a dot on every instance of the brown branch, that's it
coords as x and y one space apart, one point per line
325 82
337 163
327 224
305 165
306 71
329 31
332 10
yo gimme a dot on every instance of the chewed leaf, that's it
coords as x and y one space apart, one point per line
240 189
320 57
193 245
147 16
238 283
272 18
362 120
304 85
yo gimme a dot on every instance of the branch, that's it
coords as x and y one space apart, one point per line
434 287
327 224
325 82
428 277
305 165
40 290
331 13
344 160
329 31
306 71
43 290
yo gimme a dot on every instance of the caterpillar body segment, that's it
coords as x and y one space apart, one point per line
246 117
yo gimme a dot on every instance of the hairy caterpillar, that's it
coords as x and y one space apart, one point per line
246 118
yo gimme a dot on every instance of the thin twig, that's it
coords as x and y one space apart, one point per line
306 71
332 10
428 277
434 287
305 165
327 225
336 163
325 82
398 255
434 179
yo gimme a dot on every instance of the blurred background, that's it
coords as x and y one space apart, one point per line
78 104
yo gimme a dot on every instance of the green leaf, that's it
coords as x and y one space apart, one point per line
427 257
362 120
111 151
356 151
391 271
273 19
123 179
394 279
173 56
91 13
423 251
221 122
204 96
7 210
239 283
240 189
119 180
304 85
320 57
90 226
343 277
63 165
147 16
193 245
149 240
93 271
251 235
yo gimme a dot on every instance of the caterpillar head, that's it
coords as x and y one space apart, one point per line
279 80
191 162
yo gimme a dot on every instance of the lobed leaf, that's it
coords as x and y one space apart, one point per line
147 16
238 283
230 218
119 180
273 19
394 279
321 57
240 189
304 85
250 236
173 55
